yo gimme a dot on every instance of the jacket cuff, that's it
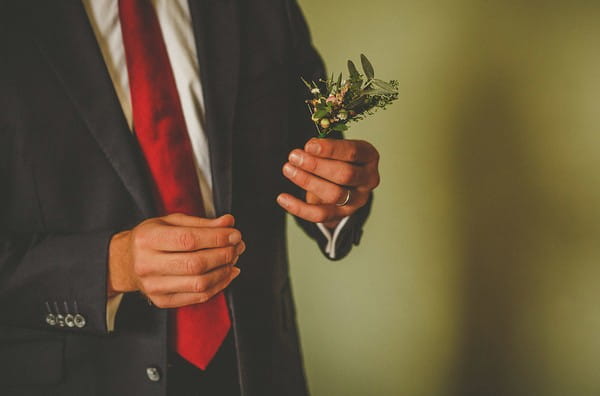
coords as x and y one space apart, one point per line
332 238
112 306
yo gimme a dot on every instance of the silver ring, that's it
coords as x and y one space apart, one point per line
345 200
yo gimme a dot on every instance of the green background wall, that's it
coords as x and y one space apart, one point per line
478 272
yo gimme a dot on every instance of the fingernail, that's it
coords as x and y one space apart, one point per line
296 158
282 200
313 148
289 170
240 248
229 216
235 238
235 271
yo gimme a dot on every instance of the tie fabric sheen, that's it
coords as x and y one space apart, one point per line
197 330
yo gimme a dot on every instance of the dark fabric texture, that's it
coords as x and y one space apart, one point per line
71 176
219 379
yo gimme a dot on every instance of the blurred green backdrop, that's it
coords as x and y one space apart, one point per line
479 268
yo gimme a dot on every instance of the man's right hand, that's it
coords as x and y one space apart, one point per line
175 260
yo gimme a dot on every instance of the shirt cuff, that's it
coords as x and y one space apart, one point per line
112 306
332 238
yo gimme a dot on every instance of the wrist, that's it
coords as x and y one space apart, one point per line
119 278
332 225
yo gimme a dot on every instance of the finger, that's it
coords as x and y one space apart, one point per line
180 219
312 213
357 151
185 284
192 263
175 300
181 239
328 192
338 172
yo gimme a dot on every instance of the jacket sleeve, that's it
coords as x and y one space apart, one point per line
43 276
49 280
307 63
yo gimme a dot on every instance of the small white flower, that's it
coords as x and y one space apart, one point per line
315 91
342 115
325 123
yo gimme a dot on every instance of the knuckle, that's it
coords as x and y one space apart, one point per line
311 164
161 302
346 175
300 211
221 238
199 285
191 266
375 153
352 153
203 297
139 238
339 195
320 216
369 150
302 178
176 217
148 286
376 182
186 240
229 254
140 269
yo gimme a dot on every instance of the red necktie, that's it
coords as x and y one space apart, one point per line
198 330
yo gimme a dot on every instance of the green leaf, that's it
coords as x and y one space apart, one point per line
340 127
383 85
352 70
339 81
367 67
321 113
371 92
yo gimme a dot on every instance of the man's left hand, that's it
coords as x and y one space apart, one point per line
338 176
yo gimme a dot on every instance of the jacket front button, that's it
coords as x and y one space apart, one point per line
153 374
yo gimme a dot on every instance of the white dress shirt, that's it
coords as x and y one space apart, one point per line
176 25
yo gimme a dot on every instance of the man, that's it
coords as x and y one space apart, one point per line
142 145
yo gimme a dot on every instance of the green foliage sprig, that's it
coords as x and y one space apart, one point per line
349 100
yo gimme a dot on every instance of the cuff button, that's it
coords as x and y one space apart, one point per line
70 320
79 320
51 319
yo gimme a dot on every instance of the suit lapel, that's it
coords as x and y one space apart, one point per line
65 37
217 34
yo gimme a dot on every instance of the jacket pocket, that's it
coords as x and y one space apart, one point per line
31 362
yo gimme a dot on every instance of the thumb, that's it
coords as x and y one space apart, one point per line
183 220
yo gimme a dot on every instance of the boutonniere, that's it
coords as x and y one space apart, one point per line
335 102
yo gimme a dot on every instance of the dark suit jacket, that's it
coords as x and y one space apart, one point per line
71 176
